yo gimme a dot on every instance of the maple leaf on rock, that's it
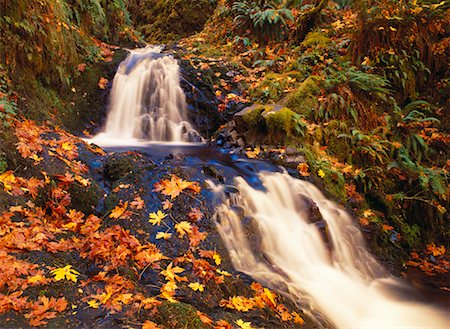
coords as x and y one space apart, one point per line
195 214
167 204
243 325
65 273
197 286
93 303
156 218
138 203
183 228
118 211
163 235
175 186
170 273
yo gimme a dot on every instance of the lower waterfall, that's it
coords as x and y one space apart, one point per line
333 272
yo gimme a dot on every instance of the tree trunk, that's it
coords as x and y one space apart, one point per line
307 21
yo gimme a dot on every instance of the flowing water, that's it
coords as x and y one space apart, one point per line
333 273
147 102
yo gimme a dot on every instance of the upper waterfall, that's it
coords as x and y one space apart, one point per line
147 102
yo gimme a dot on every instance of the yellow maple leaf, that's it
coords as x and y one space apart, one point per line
8 179
93 304
253 154
183 228
243 325
270 296
170 273
368 213
67 146
224 273
217 258
197 286
163 235
65 273
321 173
36 158
156 218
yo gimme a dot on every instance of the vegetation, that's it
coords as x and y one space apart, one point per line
360 90
368 80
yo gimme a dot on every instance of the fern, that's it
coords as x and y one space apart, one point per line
268 20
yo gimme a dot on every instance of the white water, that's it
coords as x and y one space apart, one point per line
348 286
147 102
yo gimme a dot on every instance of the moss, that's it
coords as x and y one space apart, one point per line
315 39
179 315
304 100
117 168
254 117
86 199
281 121
271 88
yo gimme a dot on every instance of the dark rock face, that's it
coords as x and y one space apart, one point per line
117 168
200 79
165 21
309 209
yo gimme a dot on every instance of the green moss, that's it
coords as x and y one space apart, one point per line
281 121
304 100
179 315
254 117
117 168
85 199
315 39
271 88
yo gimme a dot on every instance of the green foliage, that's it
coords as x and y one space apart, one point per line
266 19
367 150
8 106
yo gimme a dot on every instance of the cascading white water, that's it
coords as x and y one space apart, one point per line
346 283
147 102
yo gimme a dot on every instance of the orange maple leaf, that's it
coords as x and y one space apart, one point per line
119 211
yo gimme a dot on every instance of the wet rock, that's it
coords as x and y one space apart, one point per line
291 151
295 159
117 168
213 172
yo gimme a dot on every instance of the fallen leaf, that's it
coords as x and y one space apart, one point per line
197 286
156 218
65 273
183 228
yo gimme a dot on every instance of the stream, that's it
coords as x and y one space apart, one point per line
323 263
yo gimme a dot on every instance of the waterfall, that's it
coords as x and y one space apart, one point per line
332 272
147 102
